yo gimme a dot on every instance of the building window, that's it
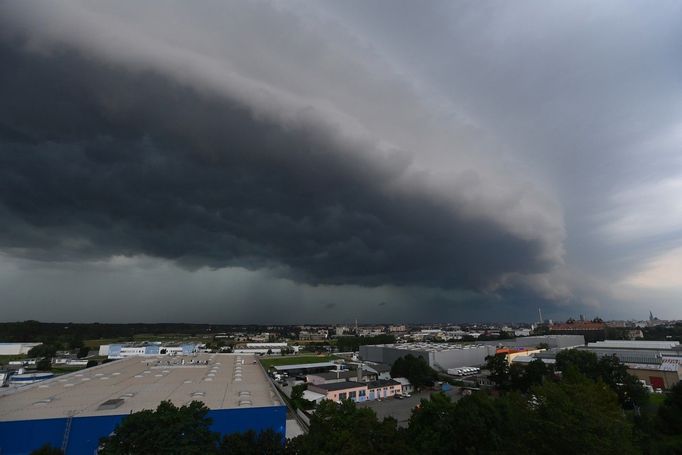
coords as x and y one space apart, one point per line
342 396
361 393
352 394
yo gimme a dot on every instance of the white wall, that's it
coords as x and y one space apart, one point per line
16 348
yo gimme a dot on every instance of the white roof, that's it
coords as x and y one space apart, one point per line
430 347
635 344
312 396
665 366
225 381
528 359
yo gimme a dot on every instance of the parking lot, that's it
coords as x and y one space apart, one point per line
401 410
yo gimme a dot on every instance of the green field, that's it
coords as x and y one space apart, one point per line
96 343
5 359
277 361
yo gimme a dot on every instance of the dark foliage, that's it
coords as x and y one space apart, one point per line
415 369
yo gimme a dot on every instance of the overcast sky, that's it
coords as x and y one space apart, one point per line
294 161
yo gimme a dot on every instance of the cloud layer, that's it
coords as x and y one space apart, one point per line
314 144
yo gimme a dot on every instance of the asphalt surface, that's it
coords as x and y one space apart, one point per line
401 410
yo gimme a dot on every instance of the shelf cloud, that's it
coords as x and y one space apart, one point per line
287 142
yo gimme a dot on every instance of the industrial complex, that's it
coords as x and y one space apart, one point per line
75 410
441 356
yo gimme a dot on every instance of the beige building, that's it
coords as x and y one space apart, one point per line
663 376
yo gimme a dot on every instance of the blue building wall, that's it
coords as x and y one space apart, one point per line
115 350
23 436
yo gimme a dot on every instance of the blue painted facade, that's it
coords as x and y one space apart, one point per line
115 350
20 437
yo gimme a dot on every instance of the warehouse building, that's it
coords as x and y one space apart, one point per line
640 352
663 376
658 363
441 356
74 411
16 348
122 351
551 341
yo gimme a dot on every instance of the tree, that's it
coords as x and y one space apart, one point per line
44 364
91 363
353 343
500 372
663 433
267 442
42 350
536 373
631 392
578 415
431 425
168 430
585 362
83 352
573 416
297 400
608 369
344 429
415 369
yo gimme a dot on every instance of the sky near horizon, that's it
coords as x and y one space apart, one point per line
321 161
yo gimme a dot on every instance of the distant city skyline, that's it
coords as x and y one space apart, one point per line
264 162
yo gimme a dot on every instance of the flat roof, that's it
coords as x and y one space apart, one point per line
429 347
634 344
221 381
334 375
303 366
660 367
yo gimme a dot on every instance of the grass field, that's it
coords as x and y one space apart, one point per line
64 370
92 344
5 359
277 361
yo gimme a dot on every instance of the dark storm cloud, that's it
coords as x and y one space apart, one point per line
99 160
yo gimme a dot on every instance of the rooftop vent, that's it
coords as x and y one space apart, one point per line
110 404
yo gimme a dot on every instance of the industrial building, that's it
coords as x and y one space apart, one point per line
551 341
74 411
264 348
440 356
305 368
122 351
642 352
16 348
658 363
358 391
592 331
336 375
